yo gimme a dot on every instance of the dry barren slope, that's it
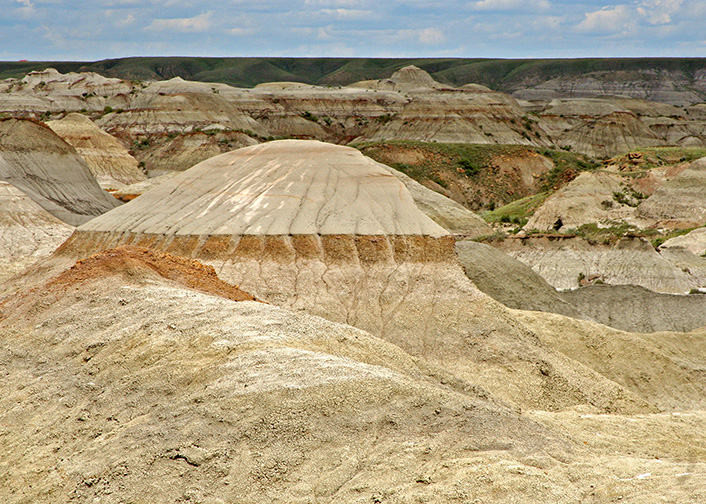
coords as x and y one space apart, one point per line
173 392
401 282
27 231
109 161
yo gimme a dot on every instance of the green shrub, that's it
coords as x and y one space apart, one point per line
309 116
469 166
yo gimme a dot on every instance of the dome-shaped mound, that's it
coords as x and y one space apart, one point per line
322 229
289 187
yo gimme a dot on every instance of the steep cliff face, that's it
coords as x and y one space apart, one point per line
668 86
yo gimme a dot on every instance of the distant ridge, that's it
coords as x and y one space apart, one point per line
507 75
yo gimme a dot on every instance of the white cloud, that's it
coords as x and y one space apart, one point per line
242 32
426 36
27 10
195 24
431 36
337 3
615 19
511 4
127 21
659 12
347 14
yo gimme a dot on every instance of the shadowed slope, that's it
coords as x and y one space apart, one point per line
38 162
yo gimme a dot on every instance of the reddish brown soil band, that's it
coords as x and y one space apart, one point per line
331 249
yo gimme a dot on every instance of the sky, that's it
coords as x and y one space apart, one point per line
89 30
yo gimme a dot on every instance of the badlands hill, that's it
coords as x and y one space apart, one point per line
597 227
321 228
109 161
671 80
39 163
129 375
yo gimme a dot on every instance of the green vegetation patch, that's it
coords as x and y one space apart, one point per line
647 158
518 212
479 176
567 166
608 235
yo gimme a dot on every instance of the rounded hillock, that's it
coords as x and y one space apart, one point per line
109 161
38 162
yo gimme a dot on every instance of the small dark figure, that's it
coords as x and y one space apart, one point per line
558 224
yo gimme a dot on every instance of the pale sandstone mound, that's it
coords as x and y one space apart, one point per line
564 261
38 162
409 78
27 231
694 242
284 188
681 201
321 228
109 161
124 381
609 135
589 198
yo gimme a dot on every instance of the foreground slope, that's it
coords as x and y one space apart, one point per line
175 392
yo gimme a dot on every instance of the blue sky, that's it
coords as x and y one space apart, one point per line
100 29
